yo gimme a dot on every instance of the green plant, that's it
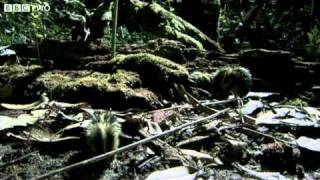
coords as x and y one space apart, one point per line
124 36
37 29
24 27
13 29
313 45
227 24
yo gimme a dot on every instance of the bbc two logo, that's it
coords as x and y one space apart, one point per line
26 7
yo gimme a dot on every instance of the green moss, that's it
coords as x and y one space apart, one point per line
118 90
148 64
14 79
10 73
157 73
73 80
183 30
201 78
139 4
174 26
184 37
179 28
296 102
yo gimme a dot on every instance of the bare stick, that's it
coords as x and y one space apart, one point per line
17 159
188 106
266 135
125 148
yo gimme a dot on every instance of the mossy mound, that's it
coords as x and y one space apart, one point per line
156 72
15 78
166 48
139 62
11 73
119 90
170 50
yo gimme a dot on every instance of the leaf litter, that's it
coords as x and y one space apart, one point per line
276 141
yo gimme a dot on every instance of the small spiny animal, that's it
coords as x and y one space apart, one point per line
232 79
103 134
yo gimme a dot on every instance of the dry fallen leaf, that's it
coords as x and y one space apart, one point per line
197 154
22 120
175 173
309 143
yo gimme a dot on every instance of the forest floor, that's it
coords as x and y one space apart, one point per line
274 136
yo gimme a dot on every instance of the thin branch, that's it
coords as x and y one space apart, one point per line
266 135
189 106
17 159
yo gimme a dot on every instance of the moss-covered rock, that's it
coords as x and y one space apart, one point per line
15 78
156 72
118 90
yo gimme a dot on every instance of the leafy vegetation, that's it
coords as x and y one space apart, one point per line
313 44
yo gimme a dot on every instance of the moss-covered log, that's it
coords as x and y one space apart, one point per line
154 18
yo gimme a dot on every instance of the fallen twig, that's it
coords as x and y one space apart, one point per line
192 140
160 147
260 175
184 106
266 135
221 102
192 100
191 106
125 148
17 159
